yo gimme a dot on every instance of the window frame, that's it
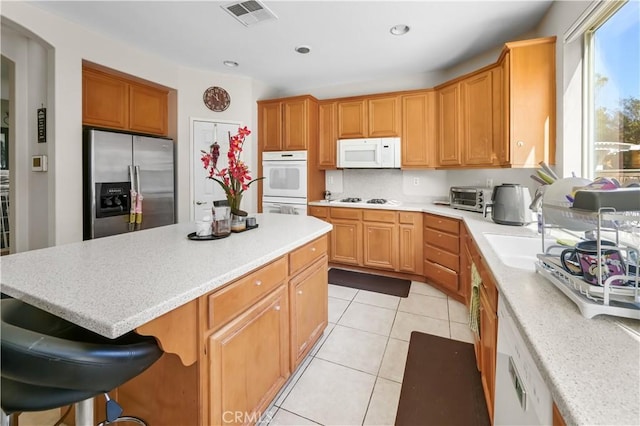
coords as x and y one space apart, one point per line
601 15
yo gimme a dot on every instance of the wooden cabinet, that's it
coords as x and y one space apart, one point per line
449 125
249 361
328 138
410 242
374 238
384 116
380 239
557 419
442 253
418 129
488 348
270 127
346 236
352 119
374 116
114 102
529 102
479 113
228 353
469 120
288 124
308 296
486 343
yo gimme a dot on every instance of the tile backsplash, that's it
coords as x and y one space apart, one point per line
416 185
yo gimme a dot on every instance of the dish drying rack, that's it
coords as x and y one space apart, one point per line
604 298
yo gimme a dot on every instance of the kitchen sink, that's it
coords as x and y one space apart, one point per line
516 251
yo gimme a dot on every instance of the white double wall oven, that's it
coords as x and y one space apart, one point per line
285 182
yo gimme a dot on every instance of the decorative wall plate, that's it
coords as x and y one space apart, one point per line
216 98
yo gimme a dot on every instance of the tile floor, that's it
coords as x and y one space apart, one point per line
354 373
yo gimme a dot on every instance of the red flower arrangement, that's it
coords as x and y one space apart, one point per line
234 179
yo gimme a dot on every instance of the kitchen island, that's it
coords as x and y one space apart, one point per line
216 307
591 366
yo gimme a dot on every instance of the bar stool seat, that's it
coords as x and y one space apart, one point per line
48 362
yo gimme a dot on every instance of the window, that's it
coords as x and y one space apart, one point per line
613 93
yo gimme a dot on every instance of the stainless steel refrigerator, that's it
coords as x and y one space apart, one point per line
117 169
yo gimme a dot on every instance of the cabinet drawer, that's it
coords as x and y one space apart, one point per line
442 240
306 254
409 218
442 223
345 213
316 211
379 216
229 302
441 276
442 257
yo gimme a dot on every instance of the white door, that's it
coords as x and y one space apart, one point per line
203 134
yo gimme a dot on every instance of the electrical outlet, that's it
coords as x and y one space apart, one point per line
416 181
489 183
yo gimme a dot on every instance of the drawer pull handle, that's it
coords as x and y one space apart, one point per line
313 249
299 291
276 308
258 283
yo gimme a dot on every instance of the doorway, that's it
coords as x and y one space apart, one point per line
204 133
7 73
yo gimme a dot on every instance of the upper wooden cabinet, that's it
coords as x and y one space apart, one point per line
418 129
529 102
374 116
449 152
480 115
469 120
117 103
288 124
328 138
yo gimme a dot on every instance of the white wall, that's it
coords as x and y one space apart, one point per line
30 199
557 21
70 44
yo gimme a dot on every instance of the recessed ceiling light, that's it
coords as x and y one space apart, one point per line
231 64
399 29
303 49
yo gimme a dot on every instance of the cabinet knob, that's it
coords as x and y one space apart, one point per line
520 144
299 291
313 249
276 308
258 283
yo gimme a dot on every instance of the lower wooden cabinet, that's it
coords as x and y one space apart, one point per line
410 235
380 242
374 238
442 253
488 347
249 361
308 296
346 242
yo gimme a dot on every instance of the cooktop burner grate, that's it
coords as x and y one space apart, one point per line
377 201
351 200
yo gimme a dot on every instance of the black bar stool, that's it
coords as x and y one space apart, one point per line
48 362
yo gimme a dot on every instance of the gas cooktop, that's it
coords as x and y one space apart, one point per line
369 201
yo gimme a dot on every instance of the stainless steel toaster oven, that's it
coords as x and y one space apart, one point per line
472 198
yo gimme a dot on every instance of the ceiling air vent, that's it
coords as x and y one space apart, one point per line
249 12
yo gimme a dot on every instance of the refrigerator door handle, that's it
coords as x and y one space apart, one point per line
137 169
131 178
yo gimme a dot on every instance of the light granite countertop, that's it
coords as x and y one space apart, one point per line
113 285
592 366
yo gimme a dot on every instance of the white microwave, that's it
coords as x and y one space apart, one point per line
369 153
